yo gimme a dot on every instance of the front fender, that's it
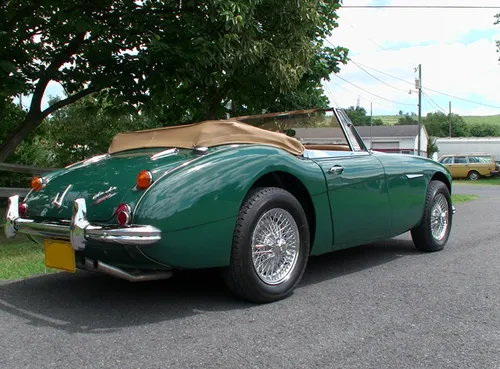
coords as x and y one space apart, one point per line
196 206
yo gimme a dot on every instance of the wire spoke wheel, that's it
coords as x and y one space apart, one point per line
275 246
439 217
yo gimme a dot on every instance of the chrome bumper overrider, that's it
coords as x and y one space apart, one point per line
79 230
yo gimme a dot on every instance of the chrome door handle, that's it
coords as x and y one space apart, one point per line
337 169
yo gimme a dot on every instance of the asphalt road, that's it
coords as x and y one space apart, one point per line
379 306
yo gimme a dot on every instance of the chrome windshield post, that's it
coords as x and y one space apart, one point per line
11 216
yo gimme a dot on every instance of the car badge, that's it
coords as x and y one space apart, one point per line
105 195
58 200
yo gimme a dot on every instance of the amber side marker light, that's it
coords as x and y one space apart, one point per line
144 179
36 183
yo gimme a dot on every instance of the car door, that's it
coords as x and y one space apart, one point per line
359 201
460 167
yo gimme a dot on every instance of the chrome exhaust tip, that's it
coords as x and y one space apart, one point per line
99 266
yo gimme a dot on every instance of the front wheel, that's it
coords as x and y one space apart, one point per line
434 229
270 246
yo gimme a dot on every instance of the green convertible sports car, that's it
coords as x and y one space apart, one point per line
254 202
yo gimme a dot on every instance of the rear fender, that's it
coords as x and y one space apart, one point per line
196 206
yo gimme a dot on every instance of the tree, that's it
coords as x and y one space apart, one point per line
406 119
86 128
437 125
484 130
32 151
359 117
78 44
432 147
250 58
182 61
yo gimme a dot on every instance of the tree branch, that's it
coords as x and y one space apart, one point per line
57 62
70 99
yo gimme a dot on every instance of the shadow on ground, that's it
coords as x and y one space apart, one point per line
93 303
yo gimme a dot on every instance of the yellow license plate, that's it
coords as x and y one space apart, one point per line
59 255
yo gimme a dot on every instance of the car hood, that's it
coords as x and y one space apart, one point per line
103 181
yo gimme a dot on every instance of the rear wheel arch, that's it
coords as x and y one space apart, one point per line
292 184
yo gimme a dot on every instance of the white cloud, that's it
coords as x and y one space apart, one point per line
455 47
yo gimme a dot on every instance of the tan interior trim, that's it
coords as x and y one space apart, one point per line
328 147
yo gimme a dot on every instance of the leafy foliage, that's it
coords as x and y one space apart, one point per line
179 61
86 128
31 152
406 119
359 117
432 147
437 125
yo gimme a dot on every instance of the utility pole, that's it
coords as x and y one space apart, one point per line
449 116
419 86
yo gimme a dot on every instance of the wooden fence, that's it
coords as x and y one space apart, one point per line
17 168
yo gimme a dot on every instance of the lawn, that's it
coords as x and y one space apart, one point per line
471 119
20 257
460 199
479 182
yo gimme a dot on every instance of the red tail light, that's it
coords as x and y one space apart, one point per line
122 214
23 209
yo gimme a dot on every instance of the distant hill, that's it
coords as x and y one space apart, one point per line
472 119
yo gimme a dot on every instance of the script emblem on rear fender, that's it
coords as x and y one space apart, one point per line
105 195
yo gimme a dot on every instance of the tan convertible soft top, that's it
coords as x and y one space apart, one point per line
208 133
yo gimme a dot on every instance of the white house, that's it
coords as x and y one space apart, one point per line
391 139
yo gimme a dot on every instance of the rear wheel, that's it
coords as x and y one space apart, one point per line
270 246
473 175
434 229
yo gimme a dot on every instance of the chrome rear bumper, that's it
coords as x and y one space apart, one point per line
79 231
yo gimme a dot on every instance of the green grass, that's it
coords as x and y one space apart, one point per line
489 119
471 119
479 182
20 257
460 199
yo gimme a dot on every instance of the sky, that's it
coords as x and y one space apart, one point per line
456 48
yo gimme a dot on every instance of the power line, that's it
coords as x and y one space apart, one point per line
433 104
387 74
364 97
461 98
380 97
378 79
430 89
420 6
331 96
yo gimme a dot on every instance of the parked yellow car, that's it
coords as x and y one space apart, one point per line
471 166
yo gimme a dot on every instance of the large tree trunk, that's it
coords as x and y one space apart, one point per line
35 118
30 123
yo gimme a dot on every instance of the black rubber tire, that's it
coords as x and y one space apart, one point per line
240 276
473 175
422 234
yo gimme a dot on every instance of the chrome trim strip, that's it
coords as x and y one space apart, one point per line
164 153
413 176
79 231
